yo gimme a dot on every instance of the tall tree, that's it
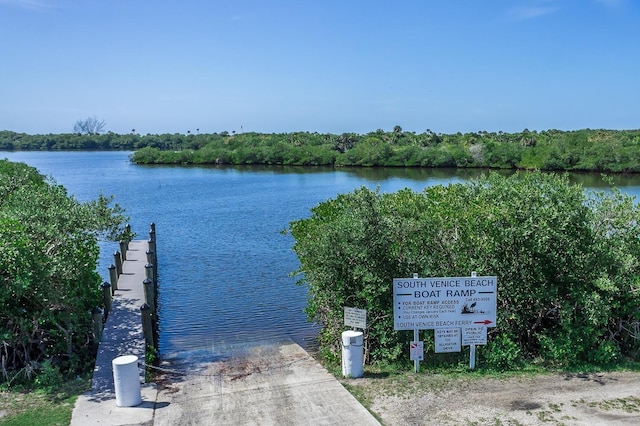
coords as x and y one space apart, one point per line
90 126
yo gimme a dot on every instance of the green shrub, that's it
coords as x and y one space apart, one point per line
501 354
566 261
49 376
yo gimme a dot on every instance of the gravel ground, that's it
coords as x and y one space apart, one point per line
431 399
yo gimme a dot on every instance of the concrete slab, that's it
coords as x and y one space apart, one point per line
270 384
99 408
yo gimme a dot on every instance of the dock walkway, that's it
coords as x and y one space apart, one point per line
122 335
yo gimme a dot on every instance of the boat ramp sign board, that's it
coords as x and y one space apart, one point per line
448 302
354 317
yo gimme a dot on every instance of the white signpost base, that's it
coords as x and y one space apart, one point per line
472 357
352 354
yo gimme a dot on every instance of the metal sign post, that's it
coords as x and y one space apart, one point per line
416 361
416 338
472 346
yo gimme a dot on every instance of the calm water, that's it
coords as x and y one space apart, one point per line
224 265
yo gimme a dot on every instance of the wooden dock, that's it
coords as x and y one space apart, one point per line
122 335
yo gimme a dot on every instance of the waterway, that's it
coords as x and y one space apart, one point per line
225 267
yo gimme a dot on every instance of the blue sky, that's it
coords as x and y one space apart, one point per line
327 66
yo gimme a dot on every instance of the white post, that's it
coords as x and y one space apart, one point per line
126 379
472 356
352 354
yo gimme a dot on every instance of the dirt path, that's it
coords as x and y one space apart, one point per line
591 399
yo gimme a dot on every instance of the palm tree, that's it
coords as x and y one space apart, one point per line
397 132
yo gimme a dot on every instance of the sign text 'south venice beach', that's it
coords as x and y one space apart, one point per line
430 303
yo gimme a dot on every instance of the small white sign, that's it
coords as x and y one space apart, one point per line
354 317
447 340
474 336
416 349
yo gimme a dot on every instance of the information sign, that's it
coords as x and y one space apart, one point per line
474 336
432 303
447 340
354 317
416 350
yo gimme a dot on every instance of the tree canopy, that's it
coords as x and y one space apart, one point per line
90 126
566 261
48 280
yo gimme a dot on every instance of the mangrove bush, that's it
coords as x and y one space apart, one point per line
566 261
48 279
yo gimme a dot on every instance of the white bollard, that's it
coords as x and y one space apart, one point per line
352 354
126 379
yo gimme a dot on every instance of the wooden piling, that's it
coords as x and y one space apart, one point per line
107 297
117 258
147 325
113 278
96 316
149 294
152 249
124 246
152 259
149 271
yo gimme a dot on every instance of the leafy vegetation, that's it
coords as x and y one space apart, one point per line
566 261
48 283
581 150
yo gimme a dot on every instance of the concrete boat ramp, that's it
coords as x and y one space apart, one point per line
260 383
268 384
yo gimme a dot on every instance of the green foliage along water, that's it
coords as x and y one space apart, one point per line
566 261
580 150
584 150
48 283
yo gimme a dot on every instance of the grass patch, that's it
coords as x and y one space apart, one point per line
362 397
20 406
629 405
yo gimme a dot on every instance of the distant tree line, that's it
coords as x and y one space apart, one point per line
579 150
80 141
